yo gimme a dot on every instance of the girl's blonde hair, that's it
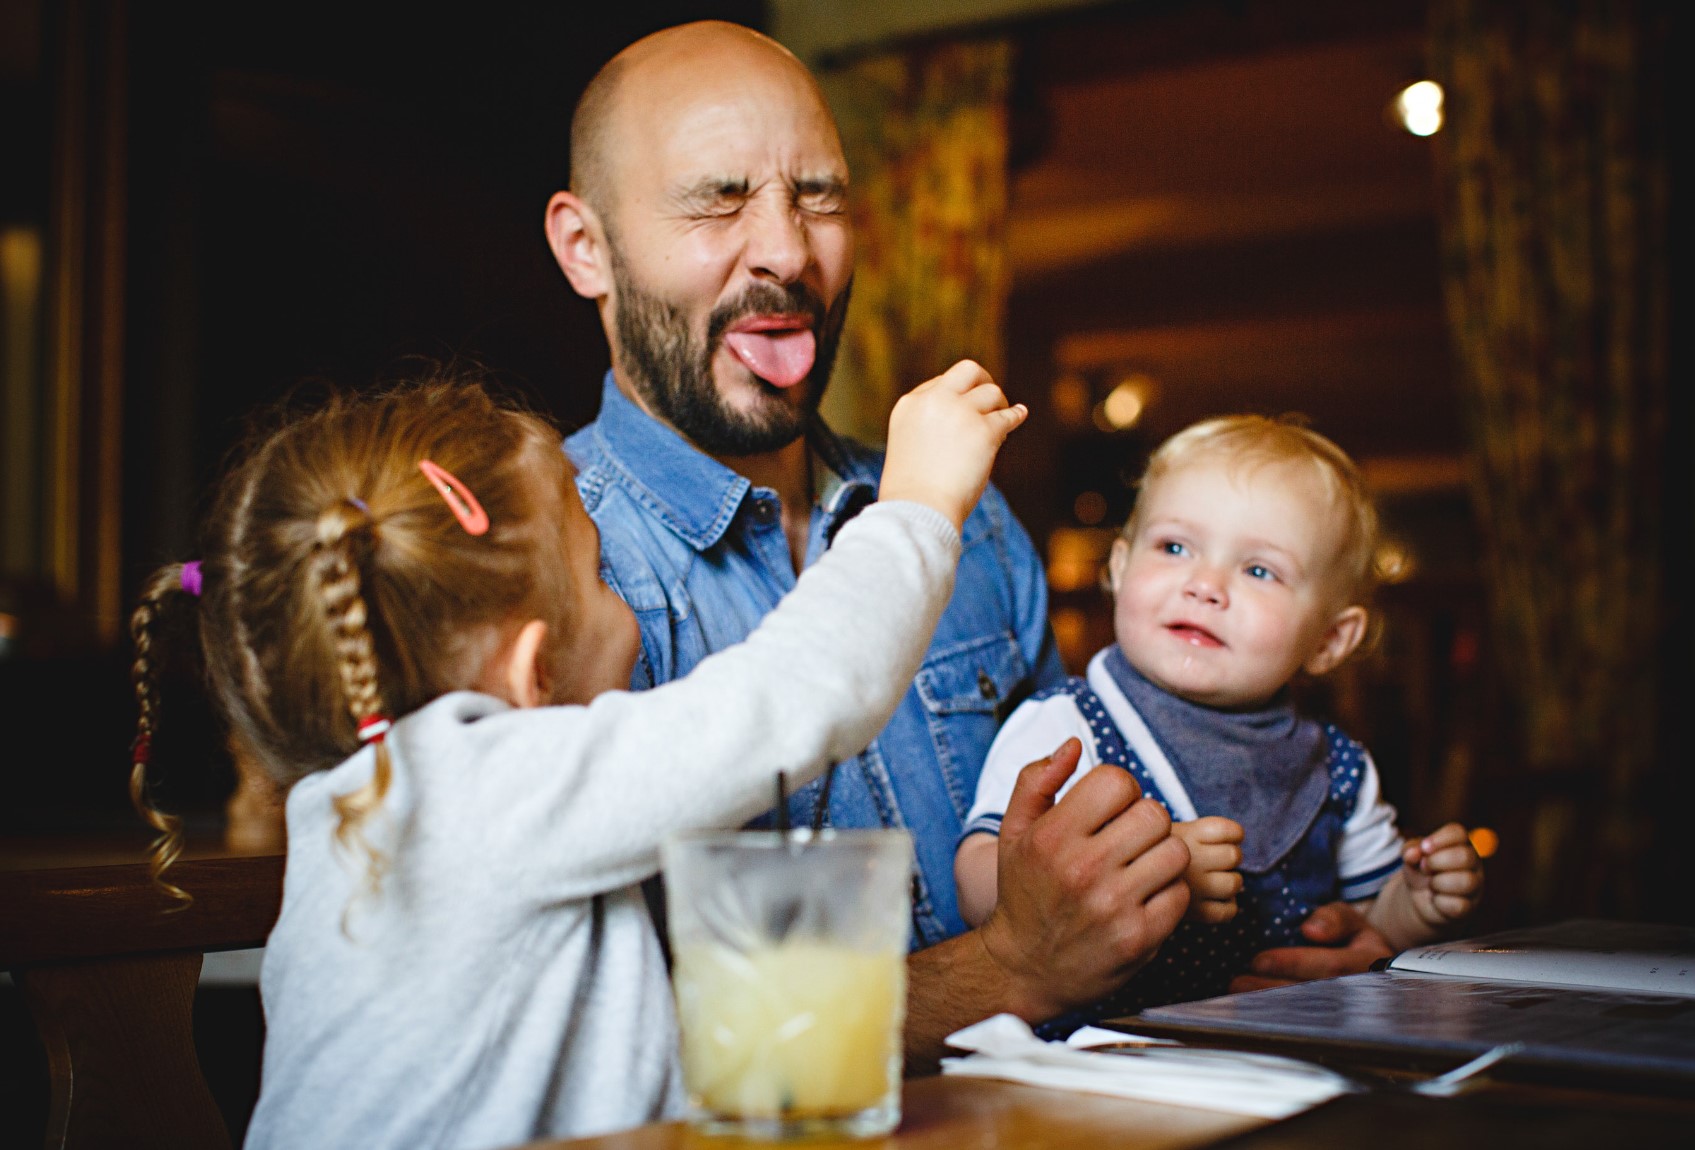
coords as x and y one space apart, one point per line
1247 442
337 586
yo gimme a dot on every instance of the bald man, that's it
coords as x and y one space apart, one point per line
707 219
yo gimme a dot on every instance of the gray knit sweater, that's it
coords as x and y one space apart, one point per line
506 983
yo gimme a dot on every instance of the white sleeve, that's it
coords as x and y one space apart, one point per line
1370 851
577 799
1033 731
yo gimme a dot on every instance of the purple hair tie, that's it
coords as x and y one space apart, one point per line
190 577
359 503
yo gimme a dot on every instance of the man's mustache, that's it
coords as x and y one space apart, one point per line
765 299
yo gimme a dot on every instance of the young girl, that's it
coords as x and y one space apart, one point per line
403 620
1247 561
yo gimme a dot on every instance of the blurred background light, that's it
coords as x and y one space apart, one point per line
1090 508
1418 108
1070 397
1485 841
1076 556
1125 403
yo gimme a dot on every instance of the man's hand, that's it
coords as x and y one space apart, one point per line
1343 943
1215 852
1088 887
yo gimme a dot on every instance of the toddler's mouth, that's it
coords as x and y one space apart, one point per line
1194 635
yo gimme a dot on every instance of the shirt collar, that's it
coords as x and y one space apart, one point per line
694 494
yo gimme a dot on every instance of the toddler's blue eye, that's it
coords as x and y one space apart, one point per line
1260 571
1170 547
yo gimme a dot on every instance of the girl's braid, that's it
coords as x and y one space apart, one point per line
144 672
336 574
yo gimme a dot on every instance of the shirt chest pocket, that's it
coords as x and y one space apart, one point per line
978 676
967 688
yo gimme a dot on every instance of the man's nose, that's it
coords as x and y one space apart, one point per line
778 247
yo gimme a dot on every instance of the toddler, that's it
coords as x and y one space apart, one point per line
402 615
1246 561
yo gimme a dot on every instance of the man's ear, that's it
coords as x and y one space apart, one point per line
1116 562
578 241
1346 631
526 677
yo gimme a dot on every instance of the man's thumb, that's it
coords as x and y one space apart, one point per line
1033 793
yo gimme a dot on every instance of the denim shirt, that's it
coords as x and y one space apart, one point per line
700 555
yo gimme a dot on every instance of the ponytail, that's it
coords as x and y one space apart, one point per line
335 574
167 584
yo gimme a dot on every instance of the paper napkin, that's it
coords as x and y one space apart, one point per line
1154 1070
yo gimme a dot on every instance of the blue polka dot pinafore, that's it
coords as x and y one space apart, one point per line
1199 960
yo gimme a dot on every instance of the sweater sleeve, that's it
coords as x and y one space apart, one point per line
575 800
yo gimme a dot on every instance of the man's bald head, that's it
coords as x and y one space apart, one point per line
708 219
668 62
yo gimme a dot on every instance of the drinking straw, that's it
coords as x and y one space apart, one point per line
822 806
782 802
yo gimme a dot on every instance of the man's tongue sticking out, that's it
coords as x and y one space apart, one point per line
778 350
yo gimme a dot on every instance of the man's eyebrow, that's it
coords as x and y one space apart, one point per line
713 189
826 185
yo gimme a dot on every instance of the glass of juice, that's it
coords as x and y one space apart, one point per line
789 966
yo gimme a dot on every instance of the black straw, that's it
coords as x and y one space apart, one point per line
782 802
822 806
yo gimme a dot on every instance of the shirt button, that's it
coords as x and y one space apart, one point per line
765 512
986 685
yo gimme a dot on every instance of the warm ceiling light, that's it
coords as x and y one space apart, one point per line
1418 108
1125 403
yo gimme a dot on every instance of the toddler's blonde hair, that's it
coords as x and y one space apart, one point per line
1248 442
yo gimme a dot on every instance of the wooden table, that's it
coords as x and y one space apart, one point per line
953 1113
108 967
109 975
972 1112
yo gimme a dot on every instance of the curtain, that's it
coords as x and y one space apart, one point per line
1553 177
925 132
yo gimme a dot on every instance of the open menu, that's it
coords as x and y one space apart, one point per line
1584 997
1595 953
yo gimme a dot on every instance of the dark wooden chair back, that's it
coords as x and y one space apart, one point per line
108 969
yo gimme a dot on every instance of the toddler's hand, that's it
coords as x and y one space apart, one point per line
1443 874
1212 878
943 436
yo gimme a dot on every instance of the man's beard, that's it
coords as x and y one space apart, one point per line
671 367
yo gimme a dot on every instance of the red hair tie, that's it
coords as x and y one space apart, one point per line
457 496
372 728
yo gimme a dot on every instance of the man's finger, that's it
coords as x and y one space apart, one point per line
1331 923
1033 793
1243 983
1100 799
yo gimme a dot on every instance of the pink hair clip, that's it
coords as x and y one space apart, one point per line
457 496
190 579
